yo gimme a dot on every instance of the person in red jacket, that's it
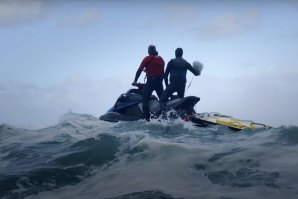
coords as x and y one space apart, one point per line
153 66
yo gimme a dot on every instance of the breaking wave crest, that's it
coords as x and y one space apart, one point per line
82 157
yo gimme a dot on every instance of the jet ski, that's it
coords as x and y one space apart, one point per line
128 106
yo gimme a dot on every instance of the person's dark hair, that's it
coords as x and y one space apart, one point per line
179 52
152 50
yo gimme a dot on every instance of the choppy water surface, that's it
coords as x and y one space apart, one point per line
82 157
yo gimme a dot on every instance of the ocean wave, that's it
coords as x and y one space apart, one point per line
288 135
82 157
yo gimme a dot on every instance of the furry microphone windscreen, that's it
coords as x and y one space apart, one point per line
198 66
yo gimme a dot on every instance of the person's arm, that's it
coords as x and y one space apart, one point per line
191 69
139 71
167 73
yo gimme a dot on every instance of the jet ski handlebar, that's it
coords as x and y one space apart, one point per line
140 86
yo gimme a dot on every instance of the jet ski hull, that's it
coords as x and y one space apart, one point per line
128 107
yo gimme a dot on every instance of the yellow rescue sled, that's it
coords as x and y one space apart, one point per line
204 119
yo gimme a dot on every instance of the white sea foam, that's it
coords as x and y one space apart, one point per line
82 157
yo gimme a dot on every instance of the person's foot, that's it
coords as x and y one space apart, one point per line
164 115
154 116
146 116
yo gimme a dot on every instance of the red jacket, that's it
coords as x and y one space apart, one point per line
154 65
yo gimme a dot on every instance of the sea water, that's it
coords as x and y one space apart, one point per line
83 157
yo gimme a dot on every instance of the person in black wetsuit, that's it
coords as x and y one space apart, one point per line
153 65
177 68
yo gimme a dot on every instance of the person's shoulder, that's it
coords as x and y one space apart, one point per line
186 62
159 57
183 59
148 57
171 60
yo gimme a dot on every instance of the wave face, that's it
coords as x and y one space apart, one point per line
82 157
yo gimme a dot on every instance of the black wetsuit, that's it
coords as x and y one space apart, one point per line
177 68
